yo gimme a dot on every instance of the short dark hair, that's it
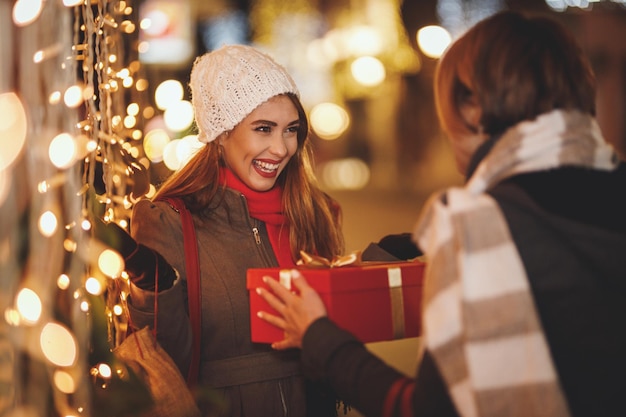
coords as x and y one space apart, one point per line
515 67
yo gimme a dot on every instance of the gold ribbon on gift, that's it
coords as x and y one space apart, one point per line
394 280
353 259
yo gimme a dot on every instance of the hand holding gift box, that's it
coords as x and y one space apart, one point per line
373 300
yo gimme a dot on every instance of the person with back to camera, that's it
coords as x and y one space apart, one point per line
525 289
255 203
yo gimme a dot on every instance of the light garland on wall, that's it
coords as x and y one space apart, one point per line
75 130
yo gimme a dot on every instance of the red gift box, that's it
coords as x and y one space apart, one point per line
374 301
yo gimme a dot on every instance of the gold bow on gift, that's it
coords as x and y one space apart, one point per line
353 259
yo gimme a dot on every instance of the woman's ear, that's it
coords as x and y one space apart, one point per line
221 138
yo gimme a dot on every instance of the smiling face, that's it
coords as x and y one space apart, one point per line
260 146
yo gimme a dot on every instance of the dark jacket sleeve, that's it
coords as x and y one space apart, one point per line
155 227
363 380
359 378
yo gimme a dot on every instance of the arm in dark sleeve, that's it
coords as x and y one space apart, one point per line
358 377
364 381
157 228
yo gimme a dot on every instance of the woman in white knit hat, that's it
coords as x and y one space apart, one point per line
255 203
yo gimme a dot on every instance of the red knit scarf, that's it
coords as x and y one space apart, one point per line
267 207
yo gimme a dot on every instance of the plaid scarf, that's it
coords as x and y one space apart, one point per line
480 321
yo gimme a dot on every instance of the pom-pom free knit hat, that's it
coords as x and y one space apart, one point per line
227 84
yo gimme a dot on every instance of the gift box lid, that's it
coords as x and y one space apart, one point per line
365 276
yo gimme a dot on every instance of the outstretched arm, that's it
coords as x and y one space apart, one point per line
333 354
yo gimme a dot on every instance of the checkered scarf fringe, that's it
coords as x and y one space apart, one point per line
480 321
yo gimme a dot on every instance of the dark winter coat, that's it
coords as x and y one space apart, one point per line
569 226
251 378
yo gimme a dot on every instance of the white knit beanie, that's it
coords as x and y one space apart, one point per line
229 83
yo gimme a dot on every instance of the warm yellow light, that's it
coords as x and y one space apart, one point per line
12 129
104 370
167 93
28 305
85 225
349 173
368 70
170 158
364 40
141 84
55 97
329 120
58 344
118 310
129 122
63 282
48 223
5 184
64 382
62 150
132 109
93 286
178 116
154 144
433 40
12 317
187 147
26 11
72 3
136 134
111 263
73 96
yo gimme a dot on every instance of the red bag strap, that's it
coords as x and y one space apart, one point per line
194 297
393 394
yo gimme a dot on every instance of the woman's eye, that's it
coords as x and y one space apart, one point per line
263 129
293 129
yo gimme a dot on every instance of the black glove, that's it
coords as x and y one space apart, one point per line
143 264
401 246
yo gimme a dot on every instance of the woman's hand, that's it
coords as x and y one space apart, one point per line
297 311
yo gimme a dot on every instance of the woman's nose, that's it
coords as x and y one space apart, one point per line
278 145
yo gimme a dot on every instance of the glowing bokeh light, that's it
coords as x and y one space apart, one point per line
58 344
72 3
368 71
187 148
364 40
54 97
104 370
48 223
111 263
29 306
73 96
118 310
12 129
93 286
63 282
26 11
62 150
154 144
170 157
5 184
433 40
132 109
346 174
178 116
64 382
329 120
168 93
